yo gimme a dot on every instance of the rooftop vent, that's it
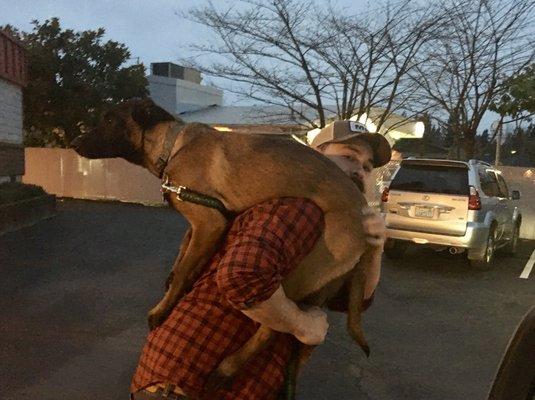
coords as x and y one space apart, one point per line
171 70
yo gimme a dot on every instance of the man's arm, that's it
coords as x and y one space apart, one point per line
264 250
283 315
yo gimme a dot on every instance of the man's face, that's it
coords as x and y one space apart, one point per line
355 159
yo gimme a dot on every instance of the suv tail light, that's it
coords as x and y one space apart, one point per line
474 201
384 196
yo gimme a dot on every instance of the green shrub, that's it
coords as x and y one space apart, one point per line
11 192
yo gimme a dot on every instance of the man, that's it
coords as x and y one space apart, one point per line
240 289
357 152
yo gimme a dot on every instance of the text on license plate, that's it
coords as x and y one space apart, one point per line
425 212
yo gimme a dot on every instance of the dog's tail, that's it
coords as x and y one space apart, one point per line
355 309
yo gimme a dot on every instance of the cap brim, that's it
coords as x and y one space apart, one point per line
380 146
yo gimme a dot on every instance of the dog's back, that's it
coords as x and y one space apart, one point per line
247 169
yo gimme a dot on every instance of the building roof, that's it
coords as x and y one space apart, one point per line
279 116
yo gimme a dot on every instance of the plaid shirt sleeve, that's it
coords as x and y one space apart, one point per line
265 247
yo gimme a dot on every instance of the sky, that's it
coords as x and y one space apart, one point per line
153 31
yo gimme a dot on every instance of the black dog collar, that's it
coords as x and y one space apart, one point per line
170 139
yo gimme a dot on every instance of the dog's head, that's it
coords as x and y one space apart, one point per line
120 131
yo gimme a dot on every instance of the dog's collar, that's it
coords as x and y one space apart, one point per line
170 138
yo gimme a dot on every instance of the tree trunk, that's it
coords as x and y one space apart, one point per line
469 144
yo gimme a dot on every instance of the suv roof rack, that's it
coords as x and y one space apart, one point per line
434 161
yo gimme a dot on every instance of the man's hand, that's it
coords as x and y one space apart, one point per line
374 227
282 315
312 327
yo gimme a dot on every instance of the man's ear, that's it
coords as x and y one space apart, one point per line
147 114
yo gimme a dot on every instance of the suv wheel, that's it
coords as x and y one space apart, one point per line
488 257
395 249
512 246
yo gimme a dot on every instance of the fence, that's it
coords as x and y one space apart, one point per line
64 173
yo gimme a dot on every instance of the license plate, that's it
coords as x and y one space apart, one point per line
424 212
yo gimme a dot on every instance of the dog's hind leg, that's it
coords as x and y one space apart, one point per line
208 227
355 303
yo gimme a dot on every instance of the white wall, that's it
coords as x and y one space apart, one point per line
10 113
178 96
66 174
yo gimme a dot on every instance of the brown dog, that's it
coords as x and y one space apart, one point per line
240 170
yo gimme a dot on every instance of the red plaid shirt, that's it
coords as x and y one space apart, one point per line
262 246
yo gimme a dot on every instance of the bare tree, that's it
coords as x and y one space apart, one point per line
484 43
313 62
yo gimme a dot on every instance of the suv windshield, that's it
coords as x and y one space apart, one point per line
431 179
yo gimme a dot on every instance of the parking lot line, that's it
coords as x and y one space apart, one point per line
528 267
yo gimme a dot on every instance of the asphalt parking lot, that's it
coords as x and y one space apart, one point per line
75 290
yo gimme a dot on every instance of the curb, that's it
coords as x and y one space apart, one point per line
25 213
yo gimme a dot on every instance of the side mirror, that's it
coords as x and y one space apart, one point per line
515 195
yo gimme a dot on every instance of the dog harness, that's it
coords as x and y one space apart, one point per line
182 192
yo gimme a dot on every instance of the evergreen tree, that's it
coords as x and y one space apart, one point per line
73 76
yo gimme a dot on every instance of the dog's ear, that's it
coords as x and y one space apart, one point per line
147 114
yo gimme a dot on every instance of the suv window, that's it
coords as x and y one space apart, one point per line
504 190
489 183
431 179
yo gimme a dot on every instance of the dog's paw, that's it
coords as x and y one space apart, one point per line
155 318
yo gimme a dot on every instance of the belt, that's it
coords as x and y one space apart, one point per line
156 393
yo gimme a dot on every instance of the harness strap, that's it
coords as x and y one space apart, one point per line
185 194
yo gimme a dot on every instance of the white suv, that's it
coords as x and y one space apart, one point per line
455 205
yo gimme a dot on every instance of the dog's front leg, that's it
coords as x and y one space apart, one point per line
207 229
233 363
183 246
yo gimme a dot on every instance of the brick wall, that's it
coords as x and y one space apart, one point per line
12 60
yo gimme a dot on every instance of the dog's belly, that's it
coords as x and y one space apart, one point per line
335 254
